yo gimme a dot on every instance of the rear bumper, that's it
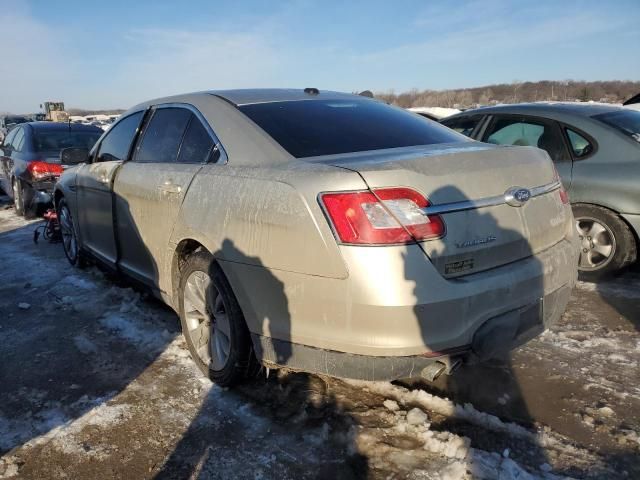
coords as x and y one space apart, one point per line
41 193
395 304
495 338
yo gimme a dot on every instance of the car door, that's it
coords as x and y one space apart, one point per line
94 183
524 130
149 188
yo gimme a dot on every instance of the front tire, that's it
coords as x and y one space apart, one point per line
212 322
607 245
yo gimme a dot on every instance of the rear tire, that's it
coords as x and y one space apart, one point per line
212 322
607 245
18 197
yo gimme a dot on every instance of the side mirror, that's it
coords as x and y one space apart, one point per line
74 156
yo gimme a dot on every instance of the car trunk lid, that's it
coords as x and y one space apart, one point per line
488 232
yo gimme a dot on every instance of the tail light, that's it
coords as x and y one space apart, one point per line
40 170
564 196
381 217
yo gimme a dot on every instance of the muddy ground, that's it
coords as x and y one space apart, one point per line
96 382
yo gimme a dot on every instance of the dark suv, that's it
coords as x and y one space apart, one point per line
30 160
596 150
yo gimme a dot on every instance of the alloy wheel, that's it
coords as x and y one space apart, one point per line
597 243
17 195
207 320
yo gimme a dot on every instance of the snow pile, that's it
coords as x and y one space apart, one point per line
415 416
443 406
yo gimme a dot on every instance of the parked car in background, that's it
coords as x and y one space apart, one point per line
596 150
434 113
30 160
8 122
633 102
322 231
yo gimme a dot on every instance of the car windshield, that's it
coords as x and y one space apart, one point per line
55 141
311 128
626 121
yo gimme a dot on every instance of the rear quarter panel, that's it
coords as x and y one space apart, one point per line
266 216
610 177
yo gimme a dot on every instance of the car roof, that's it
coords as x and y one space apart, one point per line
572 108
265 95
238 97
57 126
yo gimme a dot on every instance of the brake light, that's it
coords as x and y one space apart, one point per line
40 170
384 216
564 196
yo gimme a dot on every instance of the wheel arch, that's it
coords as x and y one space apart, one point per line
57 196
185 247
618 214
634 233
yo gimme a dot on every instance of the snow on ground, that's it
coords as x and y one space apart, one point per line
97 383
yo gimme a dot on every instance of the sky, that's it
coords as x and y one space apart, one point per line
116 53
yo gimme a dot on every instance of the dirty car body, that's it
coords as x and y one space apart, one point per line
359 240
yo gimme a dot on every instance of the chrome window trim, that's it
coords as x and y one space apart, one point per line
224 158
486 202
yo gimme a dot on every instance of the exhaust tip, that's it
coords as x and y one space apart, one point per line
433 371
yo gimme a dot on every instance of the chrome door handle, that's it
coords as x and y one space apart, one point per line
168 187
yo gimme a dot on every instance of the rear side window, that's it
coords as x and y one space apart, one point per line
10 136
625 121
580 146
117 142
464 125
163 135
528 133
18 140
197 144
309 128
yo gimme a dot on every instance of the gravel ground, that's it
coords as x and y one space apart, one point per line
96 382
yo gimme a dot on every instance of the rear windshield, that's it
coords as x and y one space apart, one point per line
626 121
57 140
309 128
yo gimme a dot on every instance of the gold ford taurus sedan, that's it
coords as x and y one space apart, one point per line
323 232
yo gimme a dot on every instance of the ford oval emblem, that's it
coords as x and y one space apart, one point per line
517 196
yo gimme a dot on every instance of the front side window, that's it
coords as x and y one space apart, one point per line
163 135
464 125
117 142
197 144
528 133
309 128
626 121
580 146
